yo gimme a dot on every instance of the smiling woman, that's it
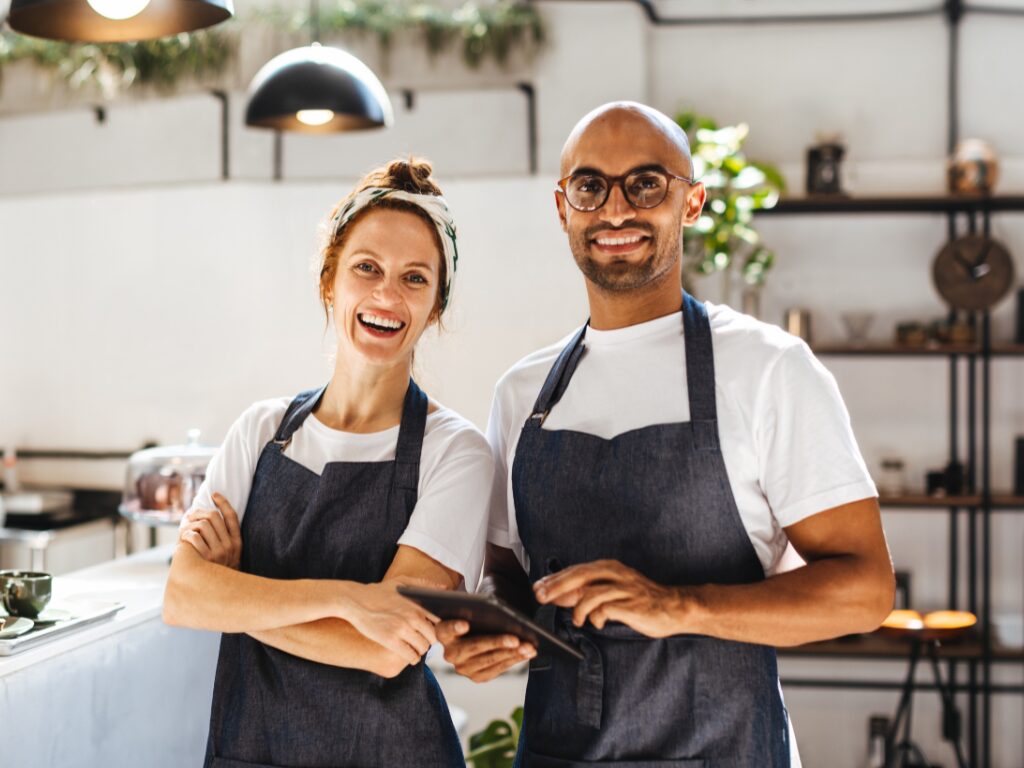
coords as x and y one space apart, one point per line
342 493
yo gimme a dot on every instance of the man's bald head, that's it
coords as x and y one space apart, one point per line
626 123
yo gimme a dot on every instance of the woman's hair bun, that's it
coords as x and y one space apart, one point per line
410 175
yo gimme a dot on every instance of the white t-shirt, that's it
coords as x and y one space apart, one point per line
449 520
784 431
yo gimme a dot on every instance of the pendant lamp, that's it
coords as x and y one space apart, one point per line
114 21
317 89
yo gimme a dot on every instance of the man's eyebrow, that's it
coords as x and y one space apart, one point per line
637 169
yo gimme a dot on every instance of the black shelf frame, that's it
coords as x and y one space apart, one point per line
969 514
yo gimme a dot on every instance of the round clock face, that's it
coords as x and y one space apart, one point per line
973 272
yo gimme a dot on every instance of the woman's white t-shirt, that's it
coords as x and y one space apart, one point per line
449 521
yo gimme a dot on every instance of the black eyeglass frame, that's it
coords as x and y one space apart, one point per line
612 181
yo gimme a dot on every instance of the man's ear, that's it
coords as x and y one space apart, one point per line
560 205
694 204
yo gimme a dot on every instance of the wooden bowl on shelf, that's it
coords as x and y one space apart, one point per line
936 625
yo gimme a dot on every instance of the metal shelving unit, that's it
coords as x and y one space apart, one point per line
969 513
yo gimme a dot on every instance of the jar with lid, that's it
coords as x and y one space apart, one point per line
892 479
161 482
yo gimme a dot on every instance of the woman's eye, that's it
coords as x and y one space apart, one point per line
417 278
364 267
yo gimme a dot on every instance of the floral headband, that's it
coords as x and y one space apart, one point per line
435 206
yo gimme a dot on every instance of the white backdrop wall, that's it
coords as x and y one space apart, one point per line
140 295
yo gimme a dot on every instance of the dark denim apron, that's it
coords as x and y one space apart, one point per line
274 709
657 499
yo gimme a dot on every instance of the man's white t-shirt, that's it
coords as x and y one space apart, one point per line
449 520
784 431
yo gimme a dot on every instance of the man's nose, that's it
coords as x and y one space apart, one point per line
616 209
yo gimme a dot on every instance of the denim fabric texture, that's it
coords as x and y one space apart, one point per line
657 499
271 708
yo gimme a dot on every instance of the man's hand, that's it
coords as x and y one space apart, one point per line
607 590
481 658
215 533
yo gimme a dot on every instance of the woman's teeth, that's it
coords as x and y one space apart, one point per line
380 323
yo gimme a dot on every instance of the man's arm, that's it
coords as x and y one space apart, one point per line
846 586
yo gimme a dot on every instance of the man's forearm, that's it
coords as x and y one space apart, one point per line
334 642
826 598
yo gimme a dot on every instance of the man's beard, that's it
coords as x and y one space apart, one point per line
621 276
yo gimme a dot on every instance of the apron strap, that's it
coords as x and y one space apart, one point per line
558 378
405 486
298 410
700 373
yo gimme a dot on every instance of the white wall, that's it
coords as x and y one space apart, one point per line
140 296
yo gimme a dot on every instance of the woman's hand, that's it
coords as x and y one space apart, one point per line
379 613
215 533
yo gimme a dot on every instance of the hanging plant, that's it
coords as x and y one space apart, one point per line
114 66
487 30
736 188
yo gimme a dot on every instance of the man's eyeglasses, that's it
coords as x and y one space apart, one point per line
643 187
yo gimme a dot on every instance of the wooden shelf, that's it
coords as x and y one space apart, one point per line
921 501
889 204
876 349
877 646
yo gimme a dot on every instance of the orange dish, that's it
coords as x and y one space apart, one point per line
936 625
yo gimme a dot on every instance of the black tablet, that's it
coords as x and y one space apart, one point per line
488 615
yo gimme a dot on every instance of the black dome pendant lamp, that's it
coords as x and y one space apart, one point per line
112 21
317 89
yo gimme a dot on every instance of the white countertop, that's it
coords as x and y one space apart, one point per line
137 581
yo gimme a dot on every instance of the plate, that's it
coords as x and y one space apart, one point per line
12 626
52 616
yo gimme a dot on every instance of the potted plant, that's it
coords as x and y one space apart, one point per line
724 239
495 746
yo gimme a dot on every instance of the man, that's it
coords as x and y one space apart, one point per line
650 472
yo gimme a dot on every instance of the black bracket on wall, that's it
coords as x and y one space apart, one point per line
225 133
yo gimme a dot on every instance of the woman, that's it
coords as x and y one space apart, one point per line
347 491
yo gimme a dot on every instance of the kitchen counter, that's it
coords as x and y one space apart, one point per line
128 692
133 692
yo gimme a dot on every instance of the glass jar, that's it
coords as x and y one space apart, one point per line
161 482
892 480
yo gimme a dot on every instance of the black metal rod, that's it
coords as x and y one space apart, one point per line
986 533
531 124
655 17
73 453
278 156
954 12
889 685
992 10
225 134
949 710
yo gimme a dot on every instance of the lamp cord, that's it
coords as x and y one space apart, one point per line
314 21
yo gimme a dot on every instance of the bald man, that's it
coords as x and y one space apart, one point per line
651 469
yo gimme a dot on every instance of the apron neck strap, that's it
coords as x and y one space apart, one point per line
298 410
558 378
700 372
410 438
